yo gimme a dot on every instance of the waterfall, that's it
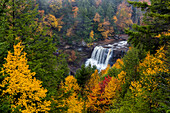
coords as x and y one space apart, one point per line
101 55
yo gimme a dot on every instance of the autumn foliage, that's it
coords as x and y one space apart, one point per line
101 93
23 88
123 16
71 102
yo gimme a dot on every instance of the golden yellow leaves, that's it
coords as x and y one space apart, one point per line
21 81
103 72
154 64
118 64
105 28
91 39
71 84
163 34
72 102
92 34
148 68
52 21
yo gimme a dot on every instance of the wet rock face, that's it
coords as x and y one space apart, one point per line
116 55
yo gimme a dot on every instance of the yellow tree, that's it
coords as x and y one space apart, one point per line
105 28
119 63
71 102
52 21
105 71
94 79
149 82
22 87
97 17
91 38
93 92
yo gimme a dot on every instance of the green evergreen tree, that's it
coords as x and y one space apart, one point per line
83 75
62 68
156 21
19 24
130 66
85 25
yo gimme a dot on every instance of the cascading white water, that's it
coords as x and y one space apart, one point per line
101 55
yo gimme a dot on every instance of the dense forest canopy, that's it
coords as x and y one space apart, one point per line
35 74
76 19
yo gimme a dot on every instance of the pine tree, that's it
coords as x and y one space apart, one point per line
83 75
21 23
85 25
156 21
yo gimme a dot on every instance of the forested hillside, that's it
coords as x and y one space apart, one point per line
40 39
76 20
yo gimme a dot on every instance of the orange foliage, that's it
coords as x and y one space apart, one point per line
100 95
105 34
115 18
97 17
71 1
164 33
75 10
92 34
41 12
